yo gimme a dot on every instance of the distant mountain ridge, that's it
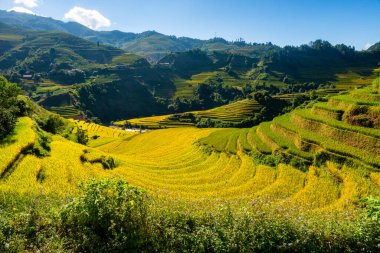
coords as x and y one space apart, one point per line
150 44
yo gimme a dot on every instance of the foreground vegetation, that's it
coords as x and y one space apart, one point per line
109 215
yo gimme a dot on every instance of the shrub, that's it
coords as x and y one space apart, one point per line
376 84
8 106
108 162
7 122
41 147
53 124
109 216
82 136
373 208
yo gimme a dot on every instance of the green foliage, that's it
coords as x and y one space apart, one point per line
82 136
276 158
373 208
41 147
8 106
8 121
29 224
376 84
53 124
109 216
8 93
107 161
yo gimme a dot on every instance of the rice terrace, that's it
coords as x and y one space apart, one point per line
138 141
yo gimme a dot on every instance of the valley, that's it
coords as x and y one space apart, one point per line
142 142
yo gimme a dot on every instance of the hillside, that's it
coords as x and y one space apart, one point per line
316 164
231 113
150 44
77 78
208 163
375 47
345 130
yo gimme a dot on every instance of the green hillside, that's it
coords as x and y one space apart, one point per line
345 129
105 83
150 44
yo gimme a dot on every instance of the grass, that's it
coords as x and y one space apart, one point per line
345 101
232 113
324 110
327 143
65 111
353 78
223 140
312 195
10 37
243 140
257 142
126 59
339 124
16 143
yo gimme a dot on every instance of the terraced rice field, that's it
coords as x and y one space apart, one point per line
234 112
185 88
179 169
206 166
65 111
353 79
100 135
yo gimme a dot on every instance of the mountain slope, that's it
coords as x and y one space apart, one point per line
375 47
150 44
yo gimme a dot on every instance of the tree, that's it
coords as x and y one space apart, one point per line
8 106
82 136
52 53
54 124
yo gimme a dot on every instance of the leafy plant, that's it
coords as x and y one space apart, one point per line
8 106
109 216
82 136
372 207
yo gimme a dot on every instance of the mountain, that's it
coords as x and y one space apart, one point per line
79 78
150 44
34 22
374 47
39 49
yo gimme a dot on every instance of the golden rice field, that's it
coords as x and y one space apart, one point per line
234 112
206 166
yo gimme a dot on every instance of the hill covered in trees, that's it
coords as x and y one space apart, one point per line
82 79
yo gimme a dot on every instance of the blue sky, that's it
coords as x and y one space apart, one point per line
282 22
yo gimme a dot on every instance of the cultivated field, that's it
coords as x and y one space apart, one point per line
213 165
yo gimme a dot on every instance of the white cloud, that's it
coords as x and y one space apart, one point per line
367 45
90 18
21 9
27 3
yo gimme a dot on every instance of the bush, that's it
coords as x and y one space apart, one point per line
108 162
41 147
53 124
376 84
109 216
82 136
8 106
373 208
8 121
